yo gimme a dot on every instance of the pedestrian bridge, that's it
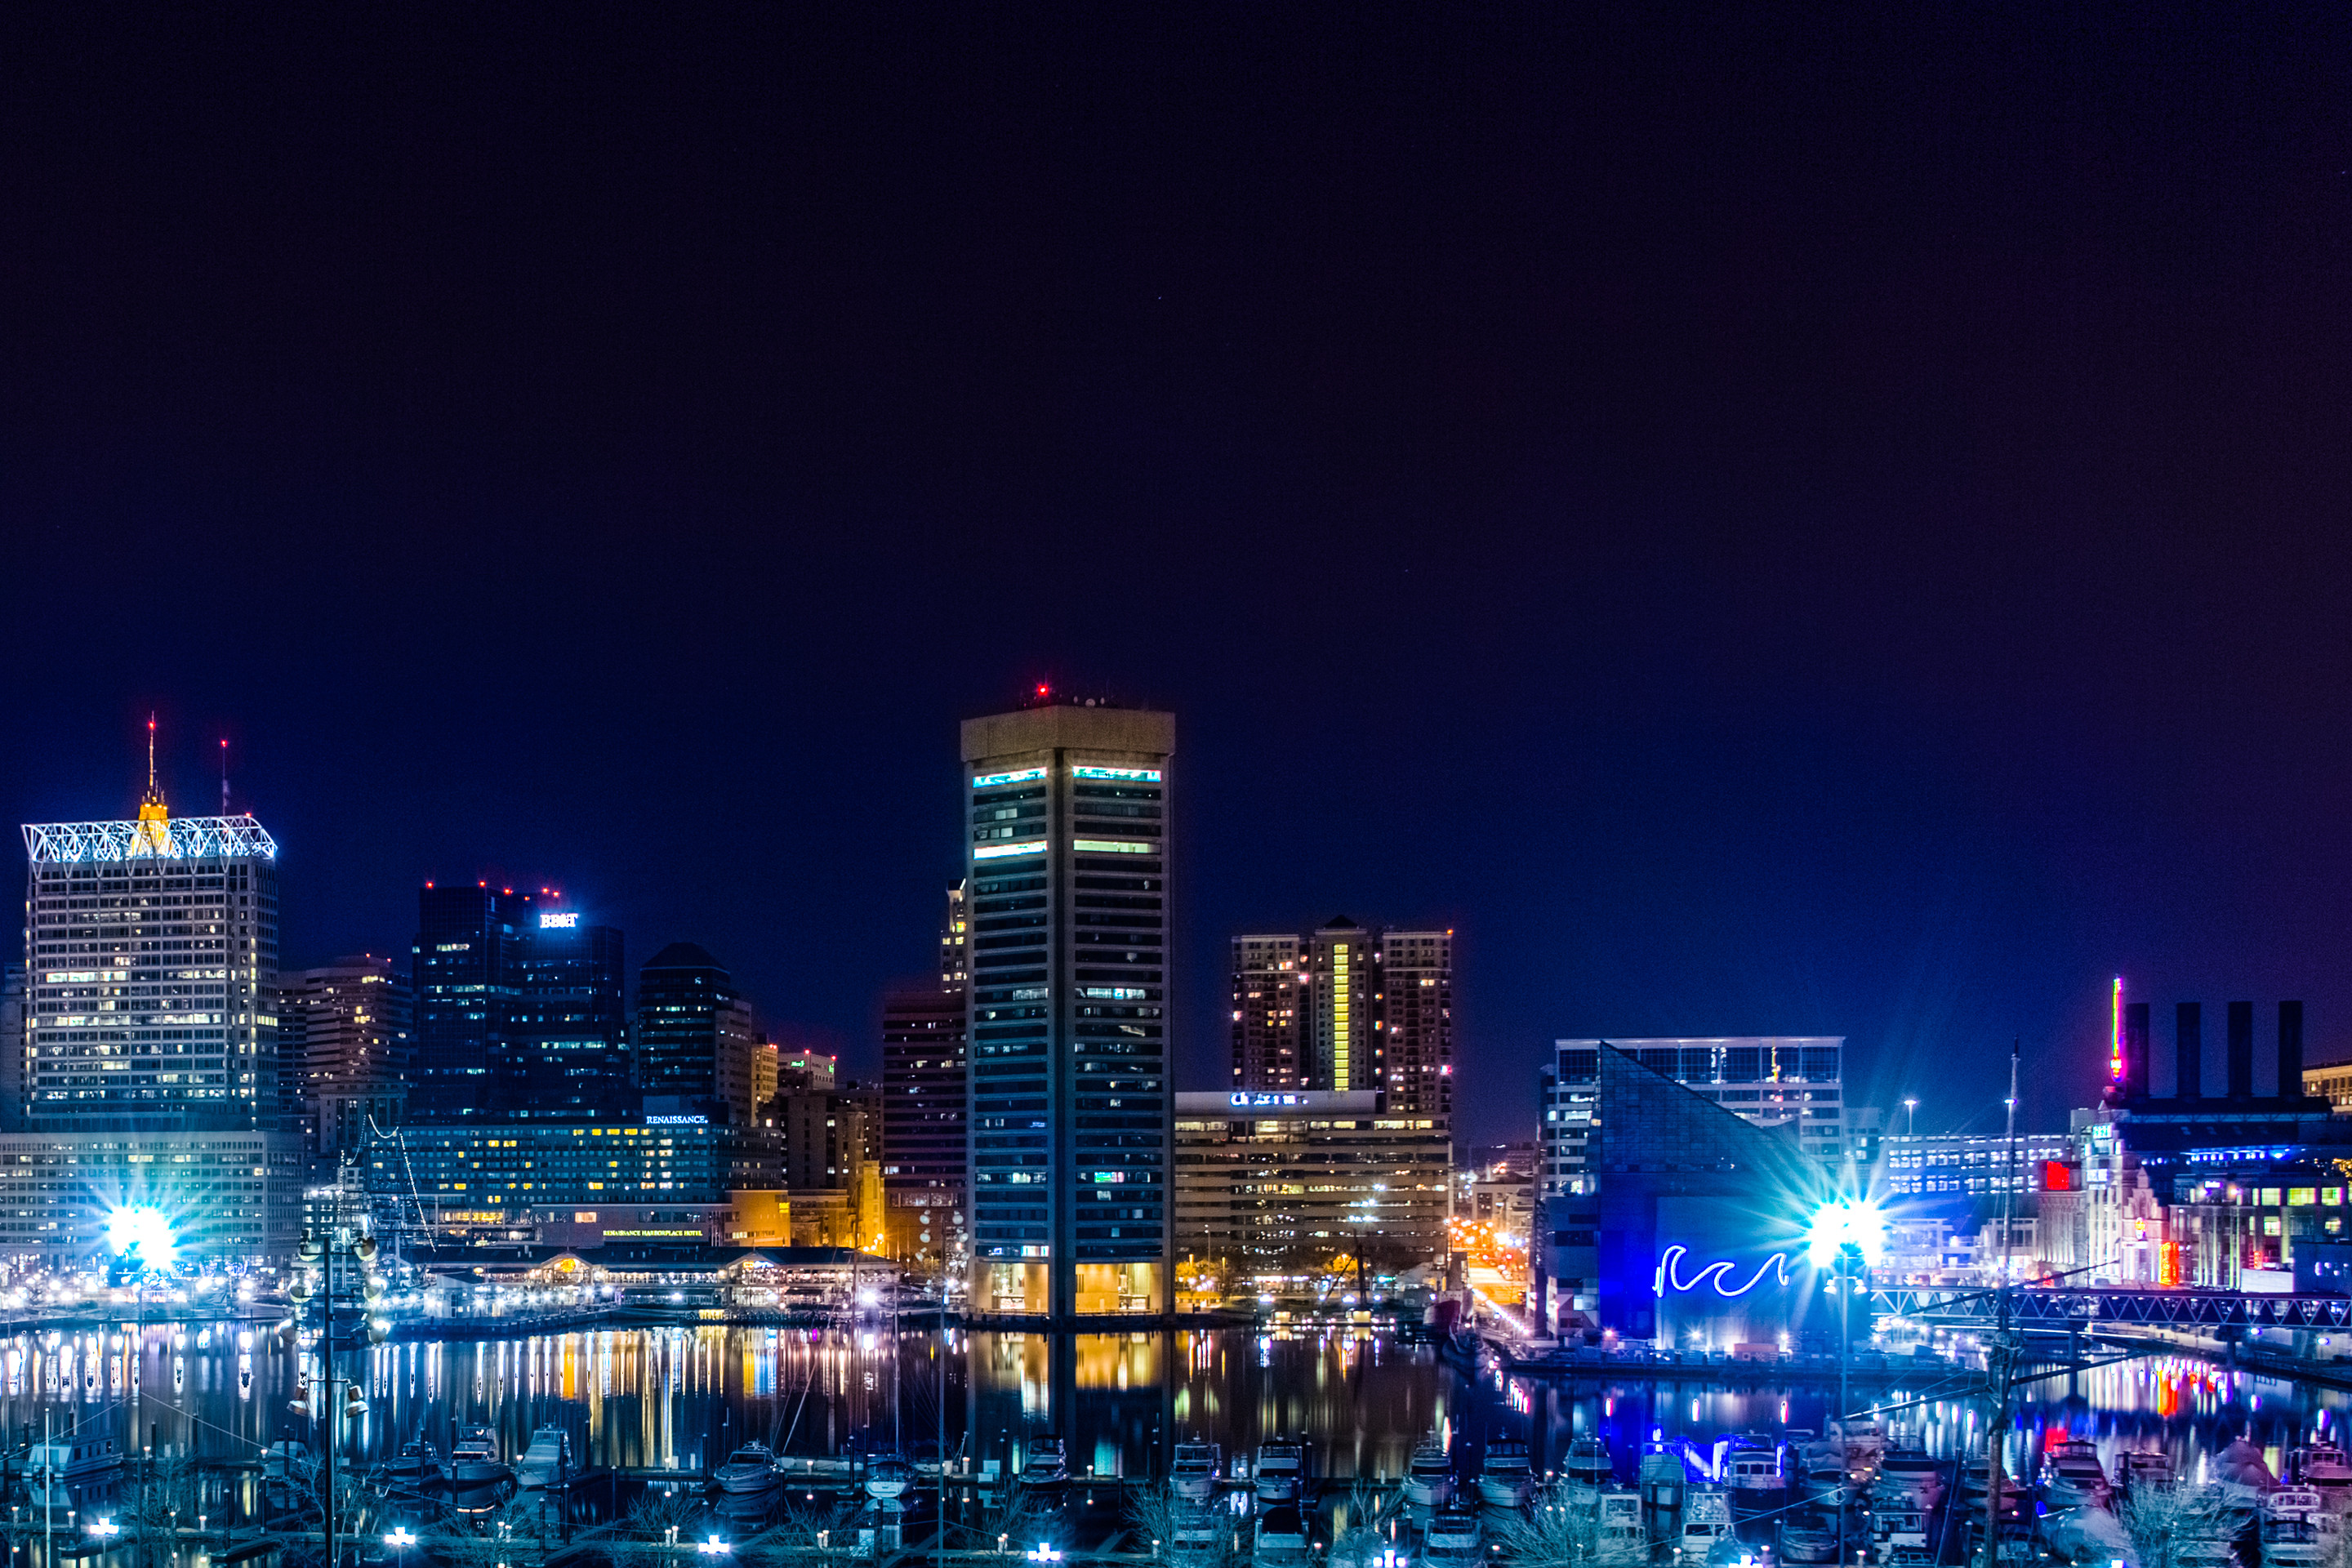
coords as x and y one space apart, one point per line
2084 1307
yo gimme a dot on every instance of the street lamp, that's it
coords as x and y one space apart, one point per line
714 1547
105 1529
1913 1107
315 1253
400 1539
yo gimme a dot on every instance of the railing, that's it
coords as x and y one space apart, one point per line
2083 1307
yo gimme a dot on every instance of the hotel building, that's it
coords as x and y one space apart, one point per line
1068 823
1347 1009
151 952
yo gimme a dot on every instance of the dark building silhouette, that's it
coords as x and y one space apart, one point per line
566 1053
694 1037
467 981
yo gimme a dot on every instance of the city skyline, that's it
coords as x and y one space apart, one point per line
1759 528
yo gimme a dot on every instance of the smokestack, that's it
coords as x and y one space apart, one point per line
2136 1079
2242 1050
2290 1051
2188 1022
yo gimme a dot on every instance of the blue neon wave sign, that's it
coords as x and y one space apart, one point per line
1669 1276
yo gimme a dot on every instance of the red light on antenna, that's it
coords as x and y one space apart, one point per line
506 889
428 884
1041 692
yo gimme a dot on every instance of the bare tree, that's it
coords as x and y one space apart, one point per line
2168 1524
1553 1531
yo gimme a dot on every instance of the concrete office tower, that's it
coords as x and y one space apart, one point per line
565 1051
1269 1016
13 1017
1069 827
150 952
1417 1022
694 1037
343 1035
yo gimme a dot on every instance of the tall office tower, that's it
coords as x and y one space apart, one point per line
466 968
1067 823
694 1037
1417 1021
1343 1007
342 1033
823 1137
565 1051
1269 1014
150 950
923 1074
955 943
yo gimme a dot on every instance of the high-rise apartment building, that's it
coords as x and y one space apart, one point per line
695 1037
1417 1021
1068 825
564 1052
1268 1016
343 1033
1788 1082
1347 1009
150 952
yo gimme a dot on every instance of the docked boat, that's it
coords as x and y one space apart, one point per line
1429 1479
1587 1467
751 1471
2242 1464
1453 1536
1507 1479
474 1461
548 1459
1046 1465
2325 1469
1808 1538
1192 1474
1281 1471
1908 1476
66 1461
2292 1544
1860 1440
2071 1476
1621 1537
887 1477
1759 1486
1282 1540
2136 1469
417 1464
1200 1541
1825 1486
1706 1518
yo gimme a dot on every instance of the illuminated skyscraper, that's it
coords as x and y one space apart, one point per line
150 954
1068 829
468 968
1269 1014
925 1075
565 1052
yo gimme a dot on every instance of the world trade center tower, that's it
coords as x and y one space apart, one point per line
1067 838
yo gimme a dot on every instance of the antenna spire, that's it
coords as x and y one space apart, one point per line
150 752
224 775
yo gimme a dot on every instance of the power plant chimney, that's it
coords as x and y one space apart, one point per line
2242 1050
2137 1085
2187 1024
2290 1049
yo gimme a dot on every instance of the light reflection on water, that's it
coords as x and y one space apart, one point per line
681 1399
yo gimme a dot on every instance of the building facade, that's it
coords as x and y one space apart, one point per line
1069 834
1272 1183
923 1134
227 1195
1772 1081
1269 1022
150 950
343 1033
695 1037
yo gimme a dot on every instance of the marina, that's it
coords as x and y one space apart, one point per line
1212 1442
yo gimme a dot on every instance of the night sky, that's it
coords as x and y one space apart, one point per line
1763 519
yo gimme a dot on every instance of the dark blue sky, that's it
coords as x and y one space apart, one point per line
1825 523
